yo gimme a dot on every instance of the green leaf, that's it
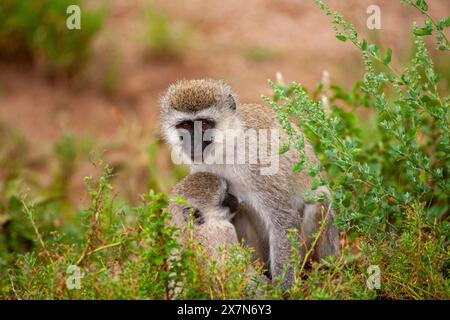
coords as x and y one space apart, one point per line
347 199
181 201
425 31
422 5
356 151
374 50
387 58
342 37
405 78
447 22
283 149
299 167
425 99
364 45
441 25
158 261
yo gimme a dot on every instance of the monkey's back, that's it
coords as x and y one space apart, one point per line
256 116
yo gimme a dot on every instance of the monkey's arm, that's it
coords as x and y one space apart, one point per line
281 265
251 230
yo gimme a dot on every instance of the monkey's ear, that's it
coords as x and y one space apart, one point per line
231 102
196 214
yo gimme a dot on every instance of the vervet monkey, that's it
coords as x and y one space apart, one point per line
196 115
212 208
248 226
218 217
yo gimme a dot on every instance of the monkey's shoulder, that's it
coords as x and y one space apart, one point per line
256 116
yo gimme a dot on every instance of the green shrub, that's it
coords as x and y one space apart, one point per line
37 29
122 252
390 185
384 149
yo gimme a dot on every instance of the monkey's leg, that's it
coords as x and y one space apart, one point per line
320 218
328 244
281 265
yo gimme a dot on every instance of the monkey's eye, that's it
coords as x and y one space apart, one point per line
206 125
185 125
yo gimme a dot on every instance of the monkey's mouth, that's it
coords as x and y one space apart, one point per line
230 202
197 151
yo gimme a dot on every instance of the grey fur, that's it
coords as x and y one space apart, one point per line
205 192
276 202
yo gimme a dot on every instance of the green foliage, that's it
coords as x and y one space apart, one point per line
384 151
392 185
123 252
431 25
37 29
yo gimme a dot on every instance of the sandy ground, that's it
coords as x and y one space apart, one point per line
297 36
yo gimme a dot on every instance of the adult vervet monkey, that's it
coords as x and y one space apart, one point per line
196 114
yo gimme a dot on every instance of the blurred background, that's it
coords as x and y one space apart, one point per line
70 99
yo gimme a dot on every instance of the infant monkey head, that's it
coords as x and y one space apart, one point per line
212 208
208 198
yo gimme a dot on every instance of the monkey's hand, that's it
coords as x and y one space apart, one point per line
193 213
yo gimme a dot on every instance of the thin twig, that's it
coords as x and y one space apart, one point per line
12 287
88 253
29 213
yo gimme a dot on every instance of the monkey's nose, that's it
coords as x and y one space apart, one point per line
231 202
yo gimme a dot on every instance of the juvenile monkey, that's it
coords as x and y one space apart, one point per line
212 208
205 111
219 217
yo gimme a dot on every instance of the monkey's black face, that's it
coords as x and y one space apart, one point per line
193 133
230 202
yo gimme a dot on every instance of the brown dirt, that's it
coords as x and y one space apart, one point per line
223 31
